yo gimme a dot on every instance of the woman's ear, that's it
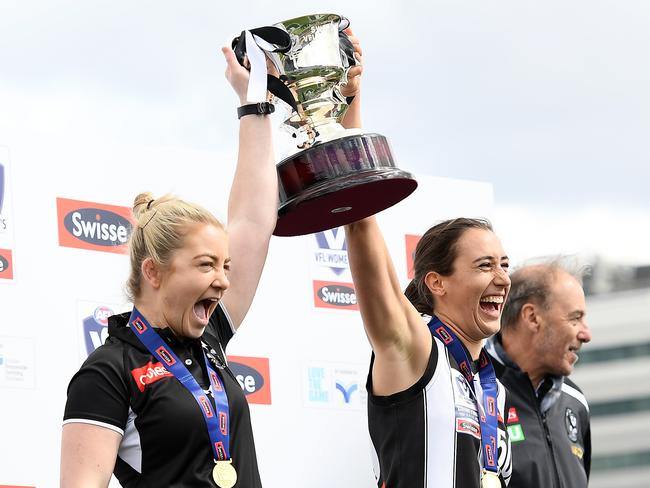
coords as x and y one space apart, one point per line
151 272
435 283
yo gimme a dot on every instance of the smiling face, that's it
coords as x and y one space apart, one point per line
472 297
194 281
562 327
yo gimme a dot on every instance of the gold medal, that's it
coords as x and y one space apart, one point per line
224 474
490 479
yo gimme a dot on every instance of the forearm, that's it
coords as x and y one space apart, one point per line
254 191
377 287
352 118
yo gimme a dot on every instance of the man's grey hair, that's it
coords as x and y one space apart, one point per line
532 283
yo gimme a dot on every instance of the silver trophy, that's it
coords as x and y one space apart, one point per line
335 176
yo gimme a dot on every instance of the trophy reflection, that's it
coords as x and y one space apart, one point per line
334 175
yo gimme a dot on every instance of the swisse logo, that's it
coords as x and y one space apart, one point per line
253 377
328 294
148 374
93 226
97 226
6 266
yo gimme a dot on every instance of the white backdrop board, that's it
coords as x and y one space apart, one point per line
301 353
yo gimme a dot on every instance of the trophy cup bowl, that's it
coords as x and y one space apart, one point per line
335 176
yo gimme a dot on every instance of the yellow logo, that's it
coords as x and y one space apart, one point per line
578 451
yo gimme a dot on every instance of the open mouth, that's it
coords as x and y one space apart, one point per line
491 305
202 309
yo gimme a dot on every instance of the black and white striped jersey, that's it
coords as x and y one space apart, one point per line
428 436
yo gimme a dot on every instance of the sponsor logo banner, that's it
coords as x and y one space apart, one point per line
253 375
410 241
17 362
334 385
6 224
93 226
6 265
329 294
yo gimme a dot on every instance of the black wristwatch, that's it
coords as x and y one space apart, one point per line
261 108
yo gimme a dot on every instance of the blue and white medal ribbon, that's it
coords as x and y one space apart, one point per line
218 423
488 415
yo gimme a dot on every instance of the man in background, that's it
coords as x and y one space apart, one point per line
542 329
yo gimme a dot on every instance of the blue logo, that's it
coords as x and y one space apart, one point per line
2 360
95 328
317 393
332 251
347 392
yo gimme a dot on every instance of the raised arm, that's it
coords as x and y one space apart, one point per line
398 336
253 202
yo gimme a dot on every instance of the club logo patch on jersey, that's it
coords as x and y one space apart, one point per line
148 374
571 424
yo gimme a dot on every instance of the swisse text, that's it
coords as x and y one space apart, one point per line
338 295
97 226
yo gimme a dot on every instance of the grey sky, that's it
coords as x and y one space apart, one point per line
546 100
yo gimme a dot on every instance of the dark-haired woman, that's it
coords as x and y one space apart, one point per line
435 407
431 391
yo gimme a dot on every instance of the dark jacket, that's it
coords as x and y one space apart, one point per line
549 428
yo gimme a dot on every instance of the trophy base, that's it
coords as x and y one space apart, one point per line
338 182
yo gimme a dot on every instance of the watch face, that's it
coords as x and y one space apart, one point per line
571 424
